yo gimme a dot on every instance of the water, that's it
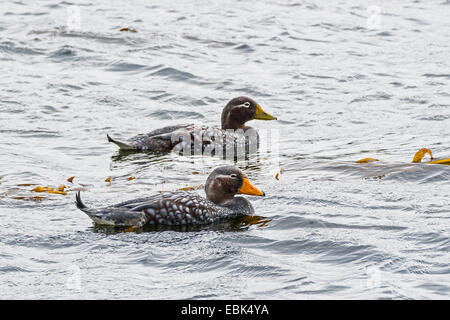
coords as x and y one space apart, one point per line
345 83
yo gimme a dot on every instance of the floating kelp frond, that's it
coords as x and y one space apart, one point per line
199 187
420 154
128 29
49 190
254 220
60 189
441 161
417 158
367 160
277 176
34 198
57 192
40 189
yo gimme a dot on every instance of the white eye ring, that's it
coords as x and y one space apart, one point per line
246 104
234 176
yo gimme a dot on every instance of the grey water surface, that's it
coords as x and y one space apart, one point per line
346 80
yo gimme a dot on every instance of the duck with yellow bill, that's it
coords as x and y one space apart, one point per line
195 139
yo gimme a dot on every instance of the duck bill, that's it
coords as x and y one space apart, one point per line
260 114
248 188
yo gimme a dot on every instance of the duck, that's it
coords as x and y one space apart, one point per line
194 139
182 207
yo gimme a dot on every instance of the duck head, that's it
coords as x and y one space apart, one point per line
225 182
240 110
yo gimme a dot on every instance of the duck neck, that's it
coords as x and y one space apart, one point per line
232 124
220 199
240 205
213 195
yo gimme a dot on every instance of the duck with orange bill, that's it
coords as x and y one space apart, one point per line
181 207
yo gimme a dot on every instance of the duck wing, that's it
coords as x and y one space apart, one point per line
188 139
177 208
172 208
159 140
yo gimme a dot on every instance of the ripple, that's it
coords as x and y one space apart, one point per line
437 117
125 66
12 49
436 75
173 74
171 114
64 52
94 36
244 48
9 269
372 97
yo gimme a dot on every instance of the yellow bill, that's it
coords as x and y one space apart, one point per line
248 188
260 114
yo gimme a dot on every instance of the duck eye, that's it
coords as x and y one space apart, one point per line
234 176
246 104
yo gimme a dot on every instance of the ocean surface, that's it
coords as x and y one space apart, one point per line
346 80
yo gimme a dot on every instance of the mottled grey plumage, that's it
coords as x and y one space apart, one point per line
194 140
233 134
180 207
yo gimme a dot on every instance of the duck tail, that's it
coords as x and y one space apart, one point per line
121 145
79 203
111 217
95 215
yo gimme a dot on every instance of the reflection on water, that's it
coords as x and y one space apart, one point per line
138 157
232 225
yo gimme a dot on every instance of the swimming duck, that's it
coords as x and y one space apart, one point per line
189 138
181 207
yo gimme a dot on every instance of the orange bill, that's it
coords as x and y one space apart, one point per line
248 188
